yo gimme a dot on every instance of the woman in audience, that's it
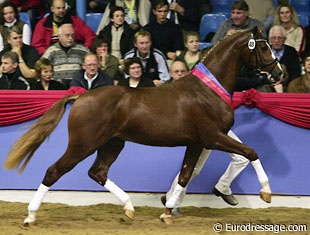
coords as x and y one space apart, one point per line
44 75
302 83
108 63
133 69
8 17
286 16
191 55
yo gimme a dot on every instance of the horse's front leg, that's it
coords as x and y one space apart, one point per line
228 144
190 160
106 155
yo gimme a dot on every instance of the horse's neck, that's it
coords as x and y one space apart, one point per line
225 64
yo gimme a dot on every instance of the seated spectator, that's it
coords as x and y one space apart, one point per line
185 13
46 30
137 13
286 17
191 55
96 6
153 60
285 54
307 46
263 10
118 32
11 78
44 76
27 55
166 35
133 68
178 69
9 17
239 20
302 83
66 55
91 76
108 63
34 9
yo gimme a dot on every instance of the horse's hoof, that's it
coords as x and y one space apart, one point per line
166 218
265 196
29 224
130 214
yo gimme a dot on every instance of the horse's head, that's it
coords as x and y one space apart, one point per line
261 56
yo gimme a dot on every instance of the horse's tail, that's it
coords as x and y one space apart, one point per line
29 142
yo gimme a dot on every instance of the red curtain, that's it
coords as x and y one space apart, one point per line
18 106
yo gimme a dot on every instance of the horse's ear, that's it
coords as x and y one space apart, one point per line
255 31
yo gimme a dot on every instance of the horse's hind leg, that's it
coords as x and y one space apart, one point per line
73 155
106 155
190 160
228 144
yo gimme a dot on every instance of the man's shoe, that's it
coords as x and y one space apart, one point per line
163 200
230 199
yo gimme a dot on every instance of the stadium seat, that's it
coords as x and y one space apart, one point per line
93 20
210 23
203 45
23 16
221 6
303 19
301 6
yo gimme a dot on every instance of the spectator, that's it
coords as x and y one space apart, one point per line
166 35
44 76
302 83
136 13
153 60
204 7
239 20
285 54
186 13
307 46
286 16
191 55
27 55
91 76
34 8
11 78
118 32
46 30
178 69
9 17
108 63
133 68
97 6
263 10
66 55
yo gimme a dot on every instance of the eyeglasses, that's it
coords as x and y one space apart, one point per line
277 38
91 65
179 71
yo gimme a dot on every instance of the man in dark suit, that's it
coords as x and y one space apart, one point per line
286 55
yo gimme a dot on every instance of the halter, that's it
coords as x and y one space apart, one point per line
252 46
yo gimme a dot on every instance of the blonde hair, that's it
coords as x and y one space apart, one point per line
40 64
295 21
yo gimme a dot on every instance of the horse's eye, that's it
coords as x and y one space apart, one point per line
264 48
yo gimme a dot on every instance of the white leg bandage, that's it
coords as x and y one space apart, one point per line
116 191
175 197
199 165
38 198
261 175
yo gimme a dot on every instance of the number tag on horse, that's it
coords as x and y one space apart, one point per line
251 44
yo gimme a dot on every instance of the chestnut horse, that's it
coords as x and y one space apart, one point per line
194 111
